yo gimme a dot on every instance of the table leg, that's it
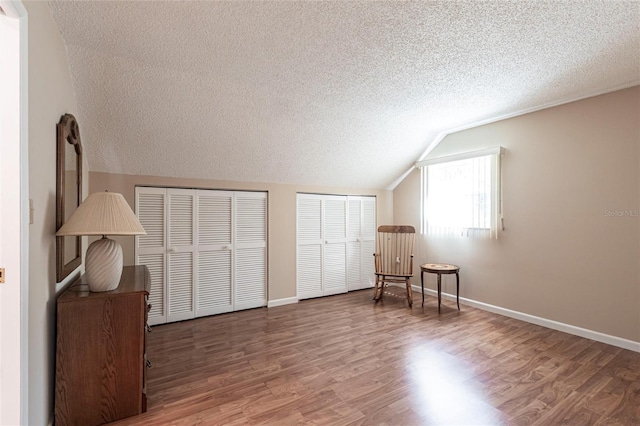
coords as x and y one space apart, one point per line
458 290
422 284
439 292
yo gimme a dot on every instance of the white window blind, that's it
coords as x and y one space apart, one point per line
462 194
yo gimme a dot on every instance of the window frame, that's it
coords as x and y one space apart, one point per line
496 219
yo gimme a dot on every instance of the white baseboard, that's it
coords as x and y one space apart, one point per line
555 325
281 302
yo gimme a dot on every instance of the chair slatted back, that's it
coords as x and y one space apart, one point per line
394 250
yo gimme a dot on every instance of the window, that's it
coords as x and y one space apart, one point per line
461 194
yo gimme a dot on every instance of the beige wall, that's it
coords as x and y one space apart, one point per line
282 217
560 257
50 95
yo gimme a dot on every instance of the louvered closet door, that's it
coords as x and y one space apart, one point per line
361 242
180 258
250 224
354 252
368 246
213 294
150 249
335 245
309 246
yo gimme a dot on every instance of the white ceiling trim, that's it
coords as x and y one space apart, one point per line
445 133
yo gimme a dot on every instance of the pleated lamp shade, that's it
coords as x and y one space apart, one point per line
103 213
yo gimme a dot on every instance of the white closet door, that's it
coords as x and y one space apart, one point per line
206 251
368 243
309 246
354 252
150 249
250 249
213 294
361 242
180 259
335 245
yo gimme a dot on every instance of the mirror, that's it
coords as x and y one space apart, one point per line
68 193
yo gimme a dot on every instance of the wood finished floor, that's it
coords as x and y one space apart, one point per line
343 360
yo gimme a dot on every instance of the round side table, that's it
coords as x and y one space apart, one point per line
440 268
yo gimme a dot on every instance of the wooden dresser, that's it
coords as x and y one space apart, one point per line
101 351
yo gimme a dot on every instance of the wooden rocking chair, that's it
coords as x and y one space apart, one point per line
394 258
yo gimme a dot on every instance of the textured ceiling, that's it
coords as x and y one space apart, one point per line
327 93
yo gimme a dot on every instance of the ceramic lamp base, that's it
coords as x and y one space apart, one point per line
103 267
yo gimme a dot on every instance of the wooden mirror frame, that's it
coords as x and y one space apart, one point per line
68 132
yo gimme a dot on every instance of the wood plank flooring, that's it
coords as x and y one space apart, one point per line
343 360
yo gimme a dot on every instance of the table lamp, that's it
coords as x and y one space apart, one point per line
103 213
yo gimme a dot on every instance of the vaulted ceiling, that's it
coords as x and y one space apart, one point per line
325 93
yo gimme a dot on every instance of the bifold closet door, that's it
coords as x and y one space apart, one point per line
168 249
321 245
181 219
335 245
354 250
214 252
309 246
206 251
151 248
250 250
361 242
368 244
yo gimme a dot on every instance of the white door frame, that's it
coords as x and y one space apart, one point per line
14 214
